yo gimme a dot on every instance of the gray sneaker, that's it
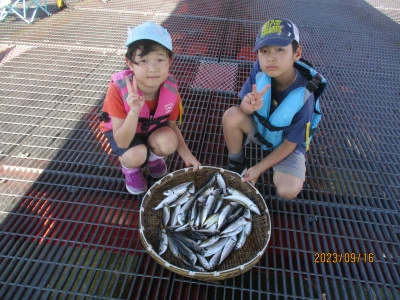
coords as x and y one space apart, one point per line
238 167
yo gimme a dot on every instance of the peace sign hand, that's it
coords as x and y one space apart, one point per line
253 101
134 100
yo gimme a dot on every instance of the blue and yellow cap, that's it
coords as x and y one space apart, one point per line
276 32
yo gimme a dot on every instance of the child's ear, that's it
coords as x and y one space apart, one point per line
129 63
298 53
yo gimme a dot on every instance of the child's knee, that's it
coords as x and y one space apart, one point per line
287 186
287 192
164 141
232 116
134 157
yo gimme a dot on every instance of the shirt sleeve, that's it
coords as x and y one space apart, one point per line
296 132
176 111
113 103
248 85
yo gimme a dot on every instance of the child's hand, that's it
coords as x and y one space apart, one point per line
251 175
192 161
253 101
134 101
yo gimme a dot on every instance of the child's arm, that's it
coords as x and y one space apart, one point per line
276 156
253 101
183 149
124 130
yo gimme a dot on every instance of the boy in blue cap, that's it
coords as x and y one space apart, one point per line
142 106
275 111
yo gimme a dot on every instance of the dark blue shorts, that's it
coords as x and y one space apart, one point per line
139 139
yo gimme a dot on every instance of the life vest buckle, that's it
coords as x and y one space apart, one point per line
312 86
314 83
103 116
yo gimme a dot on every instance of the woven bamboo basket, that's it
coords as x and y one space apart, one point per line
239 261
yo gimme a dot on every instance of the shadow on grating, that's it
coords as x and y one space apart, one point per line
68 226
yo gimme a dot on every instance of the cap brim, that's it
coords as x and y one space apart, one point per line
146 37
273 41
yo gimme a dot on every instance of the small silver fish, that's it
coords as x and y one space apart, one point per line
187 241
207 192
214 261
241 239
234 191
166 214
206 186
233 233
244 200
185 250
172 247
218 202
174 215
184 211
223 216
217 247
163 241
204 262
236 213
168 200
248 226
178 189
208 231
212 227
235 225
184 227
212 240
194 213
228 248
199 236
203 212
221 182
181 199
196 267
211 220
197 222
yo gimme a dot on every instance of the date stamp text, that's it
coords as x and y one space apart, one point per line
343 257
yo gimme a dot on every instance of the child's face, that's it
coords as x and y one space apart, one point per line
278 61
150 70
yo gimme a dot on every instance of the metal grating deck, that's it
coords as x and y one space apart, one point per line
68 228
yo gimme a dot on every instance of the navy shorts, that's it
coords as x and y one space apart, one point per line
139 139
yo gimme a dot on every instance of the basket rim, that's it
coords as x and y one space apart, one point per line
191 273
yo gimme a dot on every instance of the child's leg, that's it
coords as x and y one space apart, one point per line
134 157
162 142
287 186
131 159
234 123
289 175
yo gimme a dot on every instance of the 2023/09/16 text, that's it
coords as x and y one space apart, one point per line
343 257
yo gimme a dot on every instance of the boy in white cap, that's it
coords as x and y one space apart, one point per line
142 106
276 110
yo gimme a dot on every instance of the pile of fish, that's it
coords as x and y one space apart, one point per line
203 227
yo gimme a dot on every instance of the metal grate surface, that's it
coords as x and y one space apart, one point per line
68 228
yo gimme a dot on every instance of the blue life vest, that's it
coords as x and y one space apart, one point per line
271 126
